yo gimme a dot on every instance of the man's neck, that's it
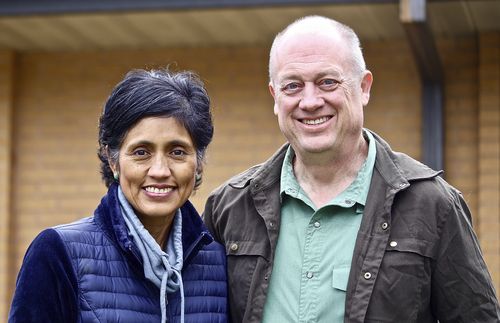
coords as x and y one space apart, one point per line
323 177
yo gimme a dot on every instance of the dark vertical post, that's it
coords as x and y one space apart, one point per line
432 124
421 40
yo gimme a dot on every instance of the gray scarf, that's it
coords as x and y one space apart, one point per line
161 268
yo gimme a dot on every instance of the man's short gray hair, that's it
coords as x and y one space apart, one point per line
313 24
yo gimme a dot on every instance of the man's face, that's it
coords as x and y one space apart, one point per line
318 99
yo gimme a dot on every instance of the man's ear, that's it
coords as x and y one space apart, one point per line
273 94
366 85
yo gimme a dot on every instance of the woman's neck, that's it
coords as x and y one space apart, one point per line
158 227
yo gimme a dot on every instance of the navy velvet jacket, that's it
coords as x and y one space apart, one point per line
91 271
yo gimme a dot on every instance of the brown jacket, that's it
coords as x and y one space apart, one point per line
416 257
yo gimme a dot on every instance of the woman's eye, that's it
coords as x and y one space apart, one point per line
140 152
178 152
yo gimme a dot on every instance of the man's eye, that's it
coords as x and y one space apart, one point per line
329 82
291 87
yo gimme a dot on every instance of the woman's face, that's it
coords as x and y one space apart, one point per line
157 165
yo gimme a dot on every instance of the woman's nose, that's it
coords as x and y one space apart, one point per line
159 167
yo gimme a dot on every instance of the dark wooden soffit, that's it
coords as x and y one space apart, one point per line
37 7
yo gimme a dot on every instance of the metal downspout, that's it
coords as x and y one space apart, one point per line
422 44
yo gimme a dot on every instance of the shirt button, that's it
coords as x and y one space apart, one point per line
234 246
317 224
309 275
385 226
348 202
367 275
393 244
271 224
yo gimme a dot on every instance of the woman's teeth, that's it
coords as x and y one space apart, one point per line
158 190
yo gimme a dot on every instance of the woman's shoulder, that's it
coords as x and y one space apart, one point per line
46 286
73 230
215 246
55 238
46 240
212 254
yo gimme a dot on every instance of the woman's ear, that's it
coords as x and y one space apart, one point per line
112 164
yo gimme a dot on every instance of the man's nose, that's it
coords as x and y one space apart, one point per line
312 97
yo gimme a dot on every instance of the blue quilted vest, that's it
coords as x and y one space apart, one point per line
111 282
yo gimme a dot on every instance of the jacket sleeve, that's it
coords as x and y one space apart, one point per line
462 288
208 218
46 287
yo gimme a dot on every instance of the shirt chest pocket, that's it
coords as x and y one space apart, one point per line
340 277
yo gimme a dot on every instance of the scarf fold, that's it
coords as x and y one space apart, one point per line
161 268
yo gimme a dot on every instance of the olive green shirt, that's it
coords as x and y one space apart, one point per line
315 248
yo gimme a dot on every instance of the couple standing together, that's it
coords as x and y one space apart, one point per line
334 227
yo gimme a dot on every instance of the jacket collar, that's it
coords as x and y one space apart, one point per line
262 175
397 169
109 217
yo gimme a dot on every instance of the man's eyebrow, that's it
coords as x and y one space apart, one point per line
296 76
331 72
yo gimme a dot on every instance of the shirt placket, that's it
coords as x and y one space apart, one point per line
309 282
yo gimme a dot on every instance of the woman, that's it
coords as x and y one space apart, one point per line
145 255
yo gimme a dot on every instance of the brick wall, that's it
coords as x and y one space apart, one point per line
394 110
58 98
459 56
489 151
6 80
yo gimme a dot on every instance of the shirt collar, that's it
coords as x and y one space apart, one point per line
357 192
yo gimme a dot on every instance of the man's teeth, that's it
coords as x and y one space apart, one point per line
316 121
158 190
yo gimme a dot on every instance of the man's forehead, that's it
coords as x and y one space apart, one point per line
297 35
324 31
311 45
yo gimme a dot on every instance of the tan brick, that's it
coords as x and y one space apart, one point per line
56 177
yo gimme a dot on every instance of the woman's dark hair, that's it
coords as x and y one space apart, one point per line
154 93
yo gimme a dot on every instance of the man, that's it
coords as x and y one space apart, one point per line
336 227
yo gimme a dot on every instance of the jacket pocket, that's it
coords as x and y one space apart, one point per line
247 248
247 262
403 283
407 263
340 276
412 245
